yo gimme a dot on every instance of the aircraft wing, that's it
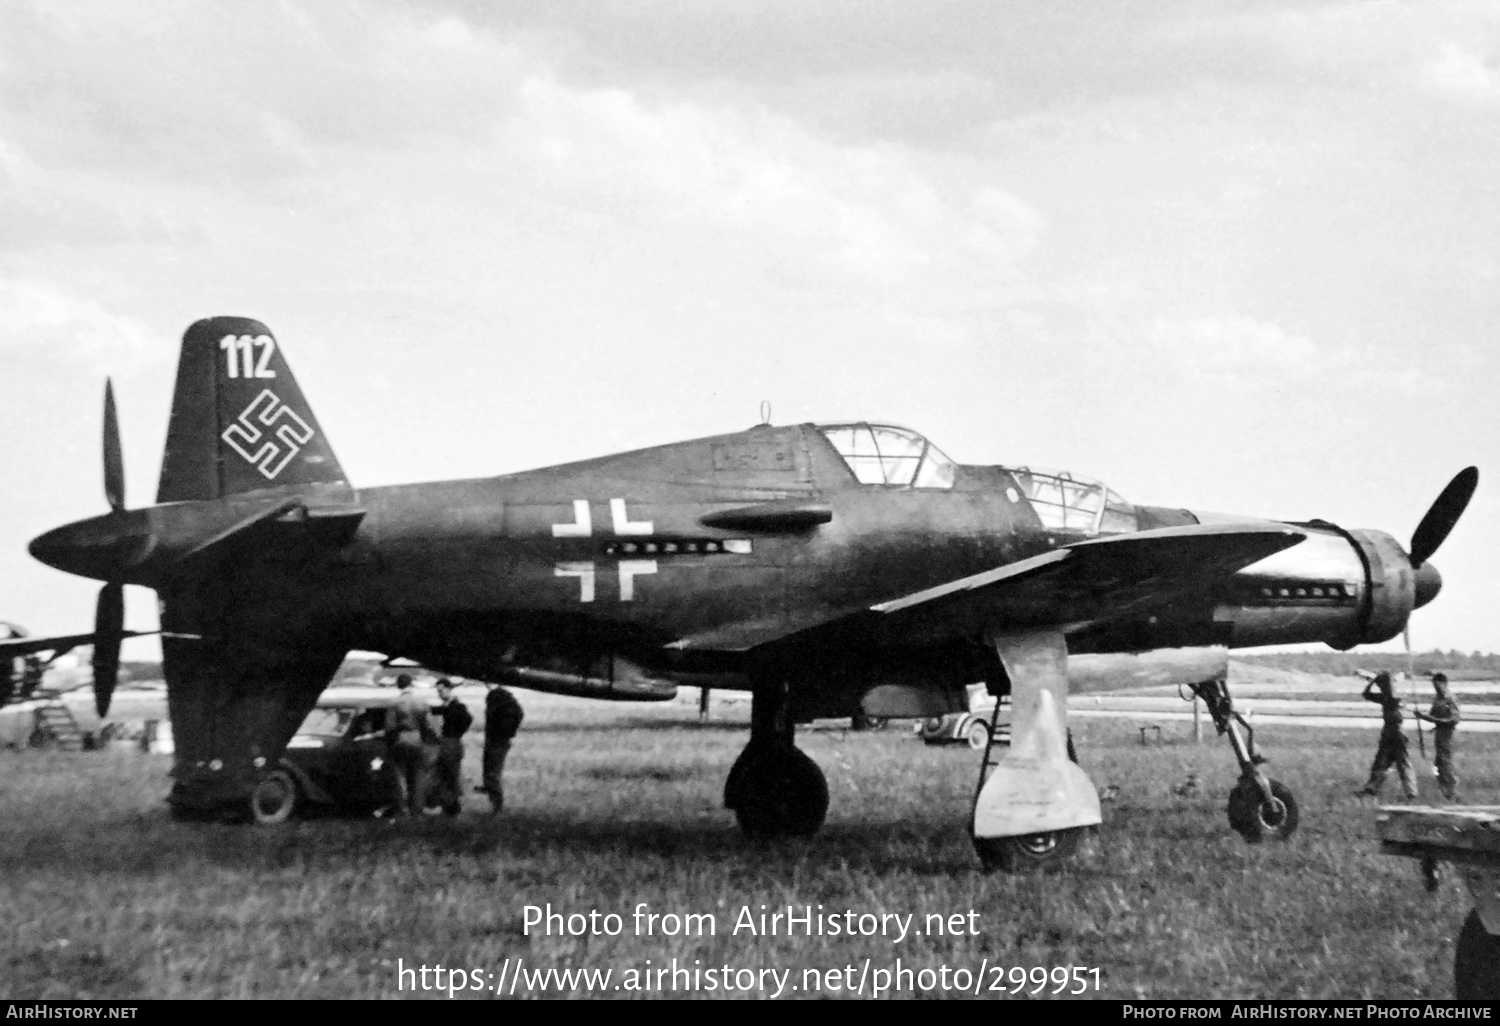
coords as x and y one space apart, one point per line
1066 589
1089 581
58 645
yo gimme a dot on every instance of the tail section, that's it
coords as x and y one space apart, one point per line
239 422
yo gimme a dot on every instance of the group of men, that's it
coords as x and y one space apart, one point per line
1393 751
429 760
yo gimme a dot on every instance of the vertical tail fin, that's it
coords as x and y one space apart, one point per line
239 422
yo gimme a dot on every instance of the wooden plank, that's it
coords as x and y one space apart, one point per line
1469 833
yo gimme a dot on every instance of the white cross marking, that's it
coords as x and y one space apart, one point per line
582 526
585 574
629 570
622 520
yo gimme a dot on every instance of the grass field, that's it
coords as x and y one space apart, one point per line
103 896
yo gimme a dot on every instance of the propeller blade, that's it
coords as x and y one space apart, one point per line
114 464
1445 511
109 631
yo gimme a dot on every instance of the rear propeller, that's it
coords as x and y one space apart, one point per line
109 611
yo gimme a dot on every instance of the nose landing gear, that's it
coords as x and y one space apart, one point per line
1259 807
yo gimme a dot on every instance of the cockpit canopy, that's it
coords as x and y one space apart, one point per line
882 454
1068 503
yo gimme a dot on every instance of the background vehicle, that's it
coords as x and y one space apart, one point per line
972 727
338 761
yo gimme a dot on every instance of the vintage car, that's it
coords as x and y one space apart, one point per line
338 761
972 727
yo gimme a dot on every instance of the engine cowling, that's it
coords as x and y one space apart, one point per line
1340 587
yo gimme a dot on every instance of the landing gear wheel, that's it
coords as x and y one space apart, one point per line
1031 853
1254 819
777 792
1476 962
978 734
274 797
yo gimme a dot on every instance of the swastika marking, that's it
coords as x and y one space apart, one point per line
269 458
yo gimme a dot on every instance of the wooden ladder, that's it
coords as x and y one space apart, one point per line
55 722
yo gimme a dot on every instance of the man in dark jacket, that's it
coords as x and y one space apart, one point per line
502 718
1393 750
450 761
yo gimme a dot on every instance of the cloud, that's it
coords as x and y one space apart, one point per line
1464 75
248 95
875 214
1251 353
1232 345
39 318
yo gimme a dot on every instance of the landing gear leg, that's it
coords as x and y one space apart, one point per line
1259 807
774 789
1033 801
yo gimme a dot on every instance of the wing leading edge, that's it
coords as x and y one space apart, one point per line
1066 589
1090 581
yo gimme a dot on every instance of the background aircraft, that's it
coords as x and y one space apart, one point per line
827 569
24 658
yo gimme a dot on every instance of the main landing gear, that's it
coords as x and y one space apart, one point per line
774 789
1033 801
1259 807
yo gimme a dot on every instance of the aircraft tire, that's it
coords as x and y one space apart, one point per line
1029 854
777 792
1252 819
1476 962
274 797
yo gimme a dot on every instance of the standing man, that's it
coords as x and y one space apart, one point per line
502 718
413 747
1393 749
1444 718
450 761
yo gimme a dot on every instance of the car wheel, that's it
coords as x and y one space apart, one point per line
978 734
274 797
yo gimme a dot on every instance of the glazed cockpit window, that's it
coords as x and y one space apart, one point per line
1066 503
879 454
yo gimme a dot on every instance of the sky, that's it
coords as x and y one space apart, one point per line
1241 257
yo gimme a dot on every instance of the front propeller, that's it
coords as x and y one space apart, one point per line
1442 515
1433 530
